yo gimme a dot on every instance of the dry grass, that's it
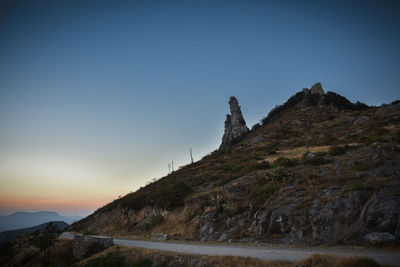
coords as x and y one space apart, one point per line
318 260
296 152
132 256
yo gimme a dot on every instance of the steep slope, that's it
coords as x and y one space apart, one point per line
319 169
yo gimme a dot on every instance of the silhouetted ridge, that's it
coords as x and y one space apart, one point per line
277 110
342 102
308 97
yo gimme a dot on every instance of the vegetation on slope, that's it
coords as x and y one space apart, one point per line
304 161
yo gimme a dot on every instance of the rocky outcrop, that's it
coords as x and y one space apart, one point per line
235 125
317 89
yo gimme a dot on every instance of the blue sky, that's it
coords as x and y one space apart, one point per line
106 93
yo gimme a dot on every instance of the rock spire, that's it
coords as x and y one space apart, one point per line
235 125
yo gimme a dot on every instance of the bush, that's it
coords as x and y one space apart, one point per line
165 194
172 195
317 160
283 162
361 166
341 219
259 194
155 220
333 261
143 263
354 185
109 260
94 248
254 165
336 150
275 112
280 174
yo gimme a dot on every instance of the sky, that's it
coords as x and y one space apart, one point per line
97 97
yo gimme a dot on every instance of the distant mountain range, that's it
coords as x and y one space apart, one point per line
10 235
21 219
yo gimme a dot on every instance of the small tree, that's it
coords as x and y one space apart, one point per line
45 240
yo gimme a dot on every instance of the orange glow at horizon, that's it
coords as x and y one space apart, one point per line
52 204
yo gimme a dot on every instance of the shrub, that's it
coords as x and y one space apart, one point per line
361 166
166 194
336 150
254 165
376 134
143 263
275 112
354 185
283 162
172 195
341 219
259 194
154 221
333 261
318 159
93 248
111 259
280 174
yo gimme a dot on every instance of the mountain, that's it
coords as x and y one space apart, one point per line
23 219
10 235
317 169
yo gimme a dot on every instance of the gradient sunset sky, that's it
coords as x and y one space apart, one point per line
96 97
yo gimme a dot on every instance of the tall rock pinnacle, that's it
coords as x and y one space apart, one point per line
235 125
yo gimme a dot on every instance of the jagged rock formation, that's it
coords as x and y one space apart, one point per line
235 125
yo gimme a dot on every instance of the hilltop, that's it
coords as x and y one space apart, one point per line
318 169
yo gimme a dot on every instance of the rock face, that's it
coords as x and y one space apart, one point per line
317 89
235 125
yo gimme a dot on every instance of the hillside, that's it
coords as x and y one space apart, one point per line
12 234
317 170
23 219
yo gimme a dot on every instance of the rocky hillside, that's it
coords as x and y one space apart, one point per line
317 170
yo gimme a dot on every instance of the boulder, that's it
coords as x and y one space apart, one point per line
379 238
317 89
361 119
381 213
160 237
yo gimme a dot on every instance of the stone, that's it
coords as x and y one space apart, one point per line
379 238
160 237
235 125
350 119
360 120
207 228
255 127
317 89
381 212
224 237
310 155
